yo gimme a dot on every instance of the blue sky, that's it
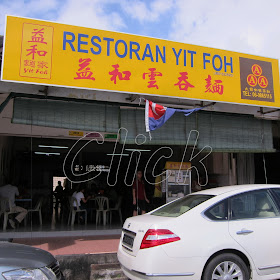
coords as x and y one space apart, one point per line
249 26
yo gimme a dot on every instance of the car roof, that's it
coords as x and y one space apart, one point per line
236 188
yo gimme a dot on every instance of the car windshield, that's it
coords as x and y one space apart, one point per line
181 205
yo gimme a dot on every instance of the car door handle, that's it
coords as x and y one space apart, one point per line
244 231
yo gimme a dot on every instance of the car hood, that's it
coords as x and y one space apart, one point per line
21 256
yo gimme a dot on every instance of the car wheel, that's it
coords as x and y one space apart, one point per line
226 267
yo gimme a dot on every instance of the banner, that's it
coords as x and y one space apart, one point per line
47 53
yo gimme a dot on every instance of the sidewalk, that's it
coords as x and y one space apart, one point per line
74 245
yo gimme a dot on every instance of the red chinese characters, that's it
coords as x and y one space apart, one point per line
116 74
152 77
84 72
38 36
183 83
36 51
30 63
33 50
216 87
42 64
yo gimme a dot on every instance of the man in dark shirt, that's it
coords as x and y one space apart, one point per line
58 193
139 194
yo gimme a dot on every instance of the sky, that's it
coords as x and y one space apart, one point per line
247 26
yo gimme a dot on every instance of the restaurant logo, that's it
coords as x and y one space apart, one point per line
36 51
256 80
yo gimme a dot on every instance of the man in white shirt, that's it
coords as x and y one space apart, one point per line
10 192
81 197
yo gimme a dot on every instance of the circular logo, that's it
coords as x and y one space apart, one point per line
262 81
256 70
252 80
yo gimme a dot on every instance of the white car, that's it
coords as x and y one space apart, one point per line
223 233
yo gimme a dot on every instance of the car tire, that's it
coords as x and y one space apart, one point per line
226 265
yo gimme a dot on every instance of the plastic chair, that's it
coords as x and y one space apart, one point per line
117 208
102 207
37 208
73 211
70 204
5 209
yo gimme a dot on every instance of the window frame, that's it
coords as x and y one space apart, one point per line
275 197
226 201
267 190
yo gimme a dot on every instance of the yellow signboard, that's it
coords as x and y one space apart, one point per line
177 165
48 53
76 133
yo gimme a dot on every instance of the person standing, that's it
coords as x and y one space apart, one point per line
139 194
10 192
58 193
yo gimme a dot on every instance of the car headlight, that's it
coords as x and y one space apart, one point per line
30 274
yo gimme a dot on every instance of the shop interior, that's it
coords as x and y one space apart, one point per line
35 165
43 142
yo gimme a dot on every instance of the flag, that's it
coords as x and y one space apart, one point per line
156 115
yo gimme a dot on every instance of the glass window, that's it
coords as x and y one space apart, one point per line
276 191
254 204
181 206
218 212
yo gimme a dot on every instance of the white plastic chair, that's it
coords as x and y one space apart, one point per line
5 209
118 209
73 211
37 208
102 208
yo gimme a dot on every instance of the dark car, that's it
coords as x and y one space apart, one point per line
24 262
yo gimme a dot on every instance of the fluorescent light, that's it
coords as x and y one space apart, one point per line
53 147
137 150
47 154
125 155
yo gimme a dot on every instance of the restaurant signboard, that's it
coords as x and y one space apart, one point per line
48 53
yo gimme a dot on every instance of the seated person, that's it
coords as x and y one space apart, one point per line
80 199
9 191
